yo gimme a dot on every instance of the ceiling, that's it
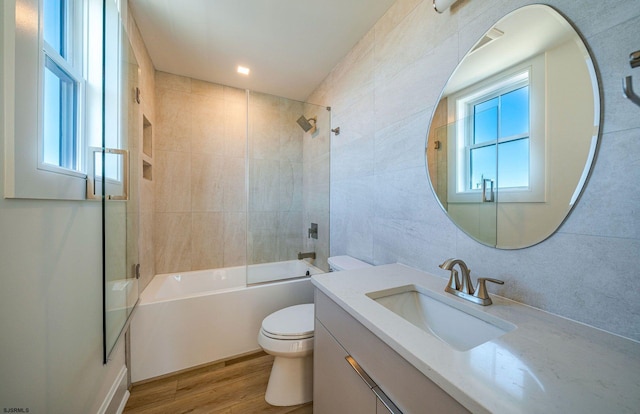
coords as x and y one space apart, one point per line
528 32
289 45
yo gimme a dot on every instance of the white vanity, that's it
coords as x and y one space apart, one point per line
540 363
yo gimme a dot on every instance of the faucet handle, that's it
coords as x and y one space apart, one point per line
454 282
481 291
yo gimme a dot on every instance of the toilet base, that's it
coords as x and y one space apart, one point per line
291 381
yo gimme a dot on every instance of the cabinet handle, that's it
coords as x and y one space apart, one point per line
358 369
386 401
373 386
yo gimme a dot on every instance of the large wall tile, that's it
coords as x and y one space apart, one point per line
416 86
413 38
357 120
264 185
235 239
609 205
353 160
207 125
290 186
207 182
165 80
172 242
402 145
172 131
207 240
173 181
235 195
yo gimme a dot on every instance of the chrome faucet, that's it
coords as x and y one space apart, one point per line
310 255
464 288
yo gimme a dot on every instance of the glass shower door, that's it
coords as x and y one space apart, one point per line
118 164
464 180
288 190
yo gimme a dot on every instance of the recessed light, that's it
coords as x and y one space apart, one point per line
243 70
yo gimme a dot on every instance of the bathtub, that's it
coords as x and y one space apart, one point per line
191 318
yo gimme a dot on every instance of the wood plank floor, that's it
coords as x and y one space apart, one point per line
234 386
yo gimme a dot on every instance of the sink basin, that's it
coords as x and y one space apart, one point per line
459 325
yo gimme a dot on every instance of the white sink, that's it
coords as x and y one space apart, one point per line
459 325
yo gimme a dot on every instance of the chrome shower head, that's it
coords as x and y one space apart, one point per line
305 124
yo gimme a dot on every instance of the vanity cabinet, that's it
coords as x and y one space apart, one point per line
338 388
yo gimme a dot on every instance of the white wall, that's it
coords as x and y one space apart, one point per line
50 300
382 209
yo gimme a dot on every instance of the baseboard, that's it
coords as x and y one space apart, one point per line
117 396
123 402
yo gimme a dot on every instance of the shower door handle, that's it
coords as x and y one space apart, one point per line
485 198
122 181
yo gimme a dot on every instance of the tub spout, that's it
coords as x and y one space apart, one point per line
310 255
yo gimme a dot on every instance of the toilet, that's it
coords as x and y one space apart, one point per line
287 334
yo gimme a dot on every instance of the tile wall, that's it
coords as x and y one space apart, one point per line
382 210
199 174
275 179
201 149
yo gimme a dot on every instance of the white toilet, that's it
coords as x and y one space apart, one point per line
287 334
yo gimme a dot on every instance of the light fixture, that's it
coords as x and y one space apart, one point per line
441 5
243 70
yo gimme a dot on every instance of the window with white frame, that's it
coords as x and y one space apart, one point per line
63 84
52 82
499 136
498 130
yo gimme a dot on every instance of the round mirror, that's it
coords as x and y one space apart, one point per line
515 132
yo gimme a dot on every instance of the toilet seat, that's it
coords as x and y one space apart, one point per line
292 323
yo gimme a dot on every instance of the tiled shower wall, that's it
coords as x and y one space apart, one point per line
288 180
199 174
201 216
275 179
382 210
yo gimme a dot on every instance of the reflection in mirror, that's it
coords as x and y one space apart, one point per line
514 134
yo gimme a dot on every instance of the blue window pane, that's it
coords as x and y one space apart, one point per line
513 165
59 95
55 25
51 118
483 165
514 112
485 121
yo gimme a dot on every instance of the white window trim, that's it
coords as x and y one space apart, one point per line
75 65
26 176
457 192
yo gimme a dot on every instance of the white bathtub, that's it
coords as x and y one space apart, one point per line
192 318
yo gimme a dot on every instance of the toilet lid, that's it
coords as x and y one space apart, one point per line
294 321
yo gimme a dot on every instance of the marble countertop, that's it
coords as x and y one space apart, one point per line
547 364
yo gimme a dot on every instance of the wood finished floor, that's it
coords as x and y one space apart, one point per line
235 386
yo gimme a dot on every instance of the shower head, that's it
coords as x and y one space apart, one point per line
305 124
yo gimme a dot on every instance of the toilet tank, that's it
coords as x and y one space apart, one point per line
338 263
